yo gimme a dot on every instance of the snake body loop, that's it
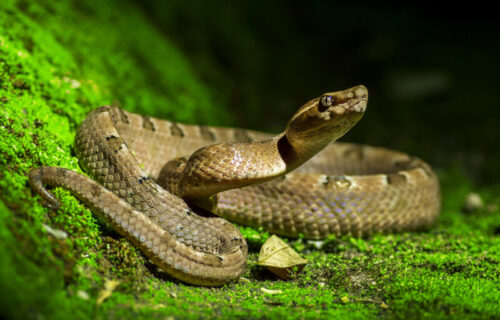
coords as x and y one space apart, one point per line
145 170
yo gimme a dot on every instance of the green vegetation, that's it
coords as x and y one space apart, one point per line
61 59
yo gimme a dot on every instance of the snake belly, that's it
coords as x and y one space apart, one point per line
343 189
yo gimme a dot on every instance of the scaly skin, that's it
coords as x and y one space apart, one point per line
124 153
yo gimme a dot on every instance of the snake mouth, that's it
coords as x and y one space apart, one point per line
352 105
352 100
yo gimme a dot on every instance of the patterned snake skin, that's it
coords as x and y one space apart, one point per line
336 188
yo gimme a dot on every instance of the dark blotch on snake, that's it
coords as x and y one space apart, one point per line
286 150
147 123
242 135
395 179
327 181
357 152
123 116
111 137
207 134
103 109
95 190
63 172
176 131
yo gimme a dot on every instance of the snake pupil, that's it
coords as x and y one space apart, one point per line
325 103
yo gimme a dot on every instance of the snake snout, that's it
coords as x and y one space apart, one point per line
357 99
360 92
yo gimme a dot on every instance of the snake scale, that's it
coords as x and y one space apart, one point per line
154 181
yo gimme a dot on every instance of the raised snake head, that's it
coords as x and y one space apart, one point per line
325 119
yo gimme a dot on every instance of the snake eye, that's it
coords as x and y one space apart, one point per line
325 102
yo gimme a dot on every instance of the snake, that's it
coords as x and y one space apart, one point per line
170 188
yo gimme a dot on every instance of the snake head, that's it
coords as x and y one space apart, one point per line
325 119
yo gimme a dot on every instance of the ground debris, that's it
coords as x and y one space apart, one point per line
279 258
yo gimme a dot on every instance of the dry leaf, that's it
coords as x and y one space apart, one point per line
58 234
109 287
243 279
269 291
279 258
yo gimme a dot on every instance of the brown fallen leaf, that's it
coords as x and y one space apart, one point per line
279 258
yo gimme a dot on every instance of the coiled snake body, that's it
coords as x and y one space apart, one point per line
336 188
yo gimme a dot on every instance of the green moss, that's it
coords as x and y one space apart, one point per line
59 60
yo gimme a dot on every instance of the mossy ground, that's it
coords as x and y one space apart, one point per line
61 59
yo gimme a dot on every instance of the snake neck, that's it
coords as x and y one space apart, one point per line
251 163
238 164
295 153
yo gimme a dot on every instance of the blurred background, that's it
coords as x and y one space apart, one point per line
431 71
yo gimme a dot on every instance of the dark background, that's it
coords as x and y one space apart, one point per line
431 69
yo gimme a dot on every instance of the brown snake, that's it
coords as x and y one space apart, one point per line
343 189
